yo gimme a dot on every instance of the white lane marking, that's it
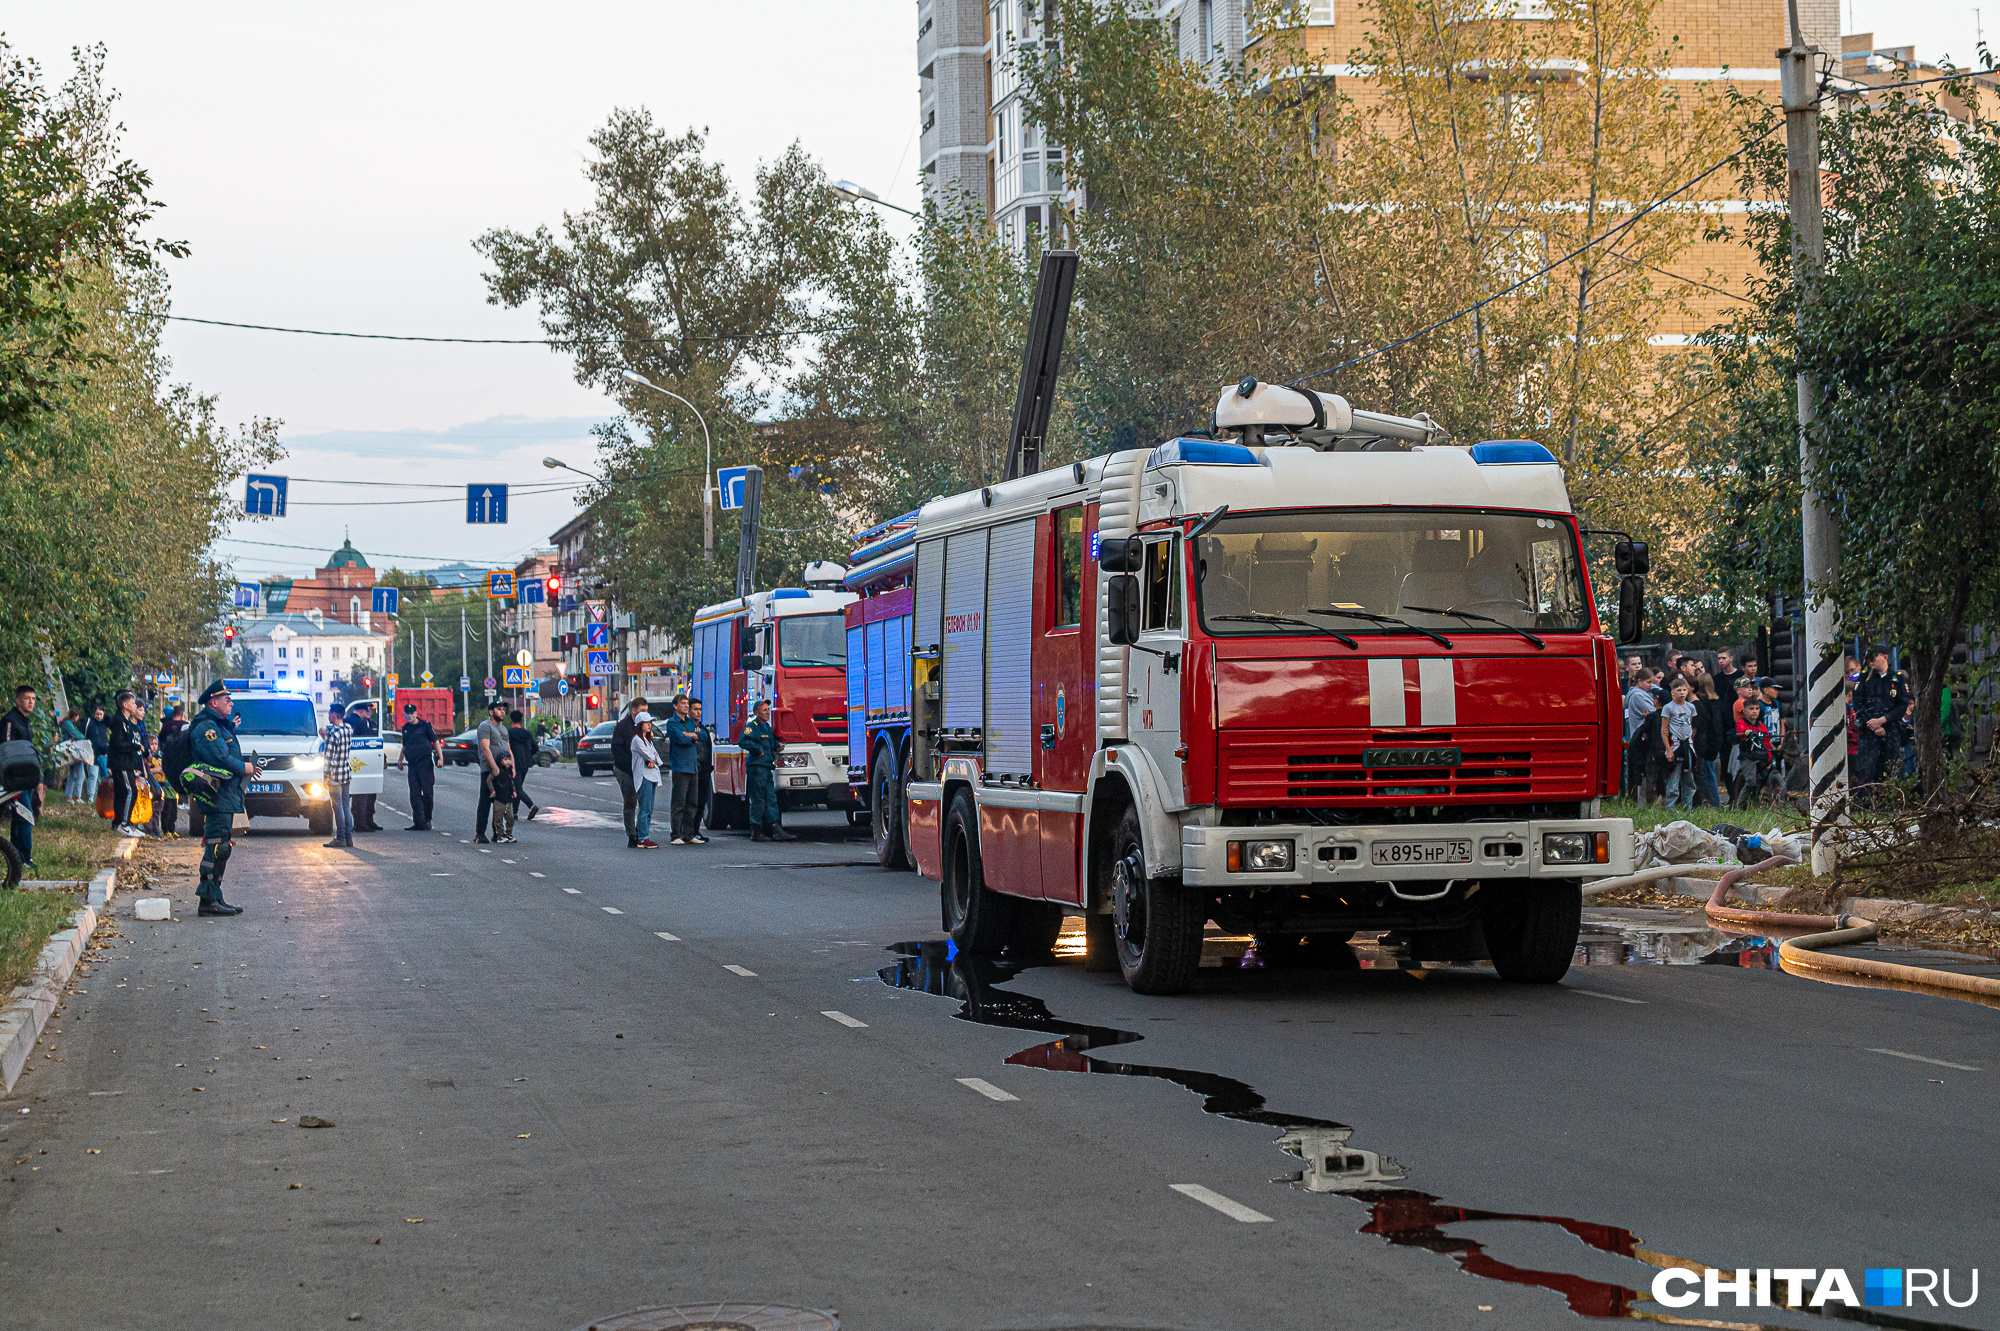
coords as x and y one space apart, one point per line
1209 1197
1599 993
669 937
574 891
443 875
1919 1058
393 809
484 851
533 874
738 970
107 1092
986 1088
846 1020
611 910
506 861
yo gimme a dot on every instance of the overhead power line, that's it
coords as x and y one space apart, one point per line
493 341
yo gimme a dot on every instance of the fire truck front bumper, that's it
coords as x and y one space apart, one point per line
1303 855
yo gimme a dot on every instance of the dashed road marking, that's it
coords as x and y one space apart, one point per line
1599 993
611 910
846 1020
669 937
1210 1197
986 1088
1919 1058
484 851
533 874
740 970
443 875
506 861
574 891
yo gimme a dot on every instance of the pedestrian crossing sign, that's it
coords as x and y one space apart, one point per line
515 677
499 584
599 663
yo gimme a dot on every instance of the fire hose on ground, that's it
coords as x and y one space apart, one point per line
1805 955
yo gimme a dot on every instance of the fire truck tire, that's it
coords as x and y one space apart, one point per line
885 818
976 919
1531 930
1157 921
1035 928
1100 945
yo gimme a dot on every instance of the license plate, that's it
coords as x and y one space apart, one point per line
1421 852
267 788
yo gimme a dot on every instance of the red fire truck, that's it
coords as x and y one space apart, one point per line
786 646
1321 676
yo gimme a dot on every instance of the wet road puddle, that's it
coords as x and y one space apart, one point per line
1331 1161
1620 936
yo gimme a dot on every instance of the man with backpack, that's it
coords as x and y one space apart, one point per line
18 725
207 763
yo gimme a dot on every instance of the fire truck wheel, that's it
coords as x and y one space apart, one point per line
1157 921
1036 924
1531 930
976 919
885 816
1100 945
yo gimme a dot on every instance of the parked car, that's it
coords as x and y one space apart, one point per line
548 750
462 750
593 751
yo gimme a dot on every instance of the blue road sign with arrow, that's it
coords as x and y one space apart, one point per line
529 591
264 496
485 503
730 481
597 635
249 596
386 600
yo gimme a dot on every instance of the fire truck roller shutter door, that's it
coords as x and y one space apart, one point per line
965 630
928 630
857 696
1010 613
878 670
1117 516
896 663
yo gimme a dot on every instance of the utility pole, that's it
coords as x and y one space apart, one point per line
464 661
489 643
1826 715
746 542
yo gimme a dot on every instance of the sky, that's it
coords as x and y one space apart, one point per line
331 165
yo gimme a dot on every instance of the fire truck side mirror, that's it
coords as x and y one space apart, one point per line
1632 558
1122 601
752 662
1631 609
1120 554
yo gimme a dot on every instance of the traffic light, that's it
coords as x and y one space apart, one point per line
367 682
555 585
228 635
594 703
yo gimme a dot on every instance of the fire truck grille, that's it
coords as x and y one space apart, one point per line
830 727
1511 764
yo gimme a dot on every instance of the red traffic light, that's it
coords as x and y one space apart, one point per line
555 583
594 704
229 634
367 682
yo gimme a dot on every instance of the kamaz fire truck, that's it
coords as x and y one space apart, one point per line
787 646
1322 674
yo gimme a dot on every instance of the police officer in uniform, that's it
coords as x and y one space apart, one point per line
760 748
362 718
421 754
215 778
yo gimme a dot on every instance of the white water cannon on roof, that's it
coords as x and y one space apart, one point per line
1260 413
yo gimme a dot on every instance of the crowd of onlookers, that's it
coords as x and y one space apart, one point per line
1716 732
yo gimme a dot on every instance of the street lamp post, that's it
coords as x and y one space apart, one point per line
708 471
854 193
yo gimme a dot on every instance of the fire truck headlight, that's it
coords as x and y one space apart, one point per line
794 760
1566 847
1260 856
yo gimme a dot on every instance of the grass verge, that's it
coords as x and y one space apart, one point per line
1647 817
26 921
71 841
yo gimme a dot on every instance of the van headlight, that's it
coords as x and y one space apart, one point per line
1260 856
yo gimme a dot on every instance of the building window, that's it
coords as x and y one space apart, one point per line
1207 30
281 653
1319 14
316 653
319 676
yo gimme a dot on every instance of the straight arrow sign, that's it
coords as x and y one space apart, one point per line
485 503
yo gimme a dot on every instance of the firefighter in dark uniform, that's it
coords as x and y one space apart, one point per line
215 779
760 749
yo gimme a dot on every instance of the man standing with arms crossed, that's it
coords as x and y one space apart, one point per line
216 778
681 736
421 755
704 761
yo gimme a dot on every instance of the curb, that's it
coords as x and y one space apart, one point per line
32 1004
126 846
102 888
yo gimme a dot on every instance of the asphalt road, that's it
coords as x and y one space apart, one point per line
587 1115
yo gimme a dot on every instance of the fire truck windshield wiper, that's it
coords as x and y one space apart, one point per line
1284 619
1484 619
1373 618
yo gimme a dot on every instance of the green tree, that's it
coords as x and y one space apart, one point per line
1904 341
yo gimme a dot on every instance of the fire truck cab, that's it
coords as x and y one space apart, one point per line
787 646
1325 676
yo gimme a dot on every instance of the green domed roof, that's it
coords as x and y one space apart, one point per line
347 557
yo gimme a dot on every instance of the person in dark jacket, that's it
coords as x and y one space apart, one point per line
760 745
621 769
19 724
171 724
421 754
521 742
128 760
704 761
1714 732
215 779
98 732
361 719
1880 703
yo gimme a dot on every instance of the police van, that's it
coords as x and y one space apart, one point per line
280 732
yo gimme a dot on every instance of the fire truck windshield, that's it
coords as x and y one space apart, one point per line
812 640
1356 571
